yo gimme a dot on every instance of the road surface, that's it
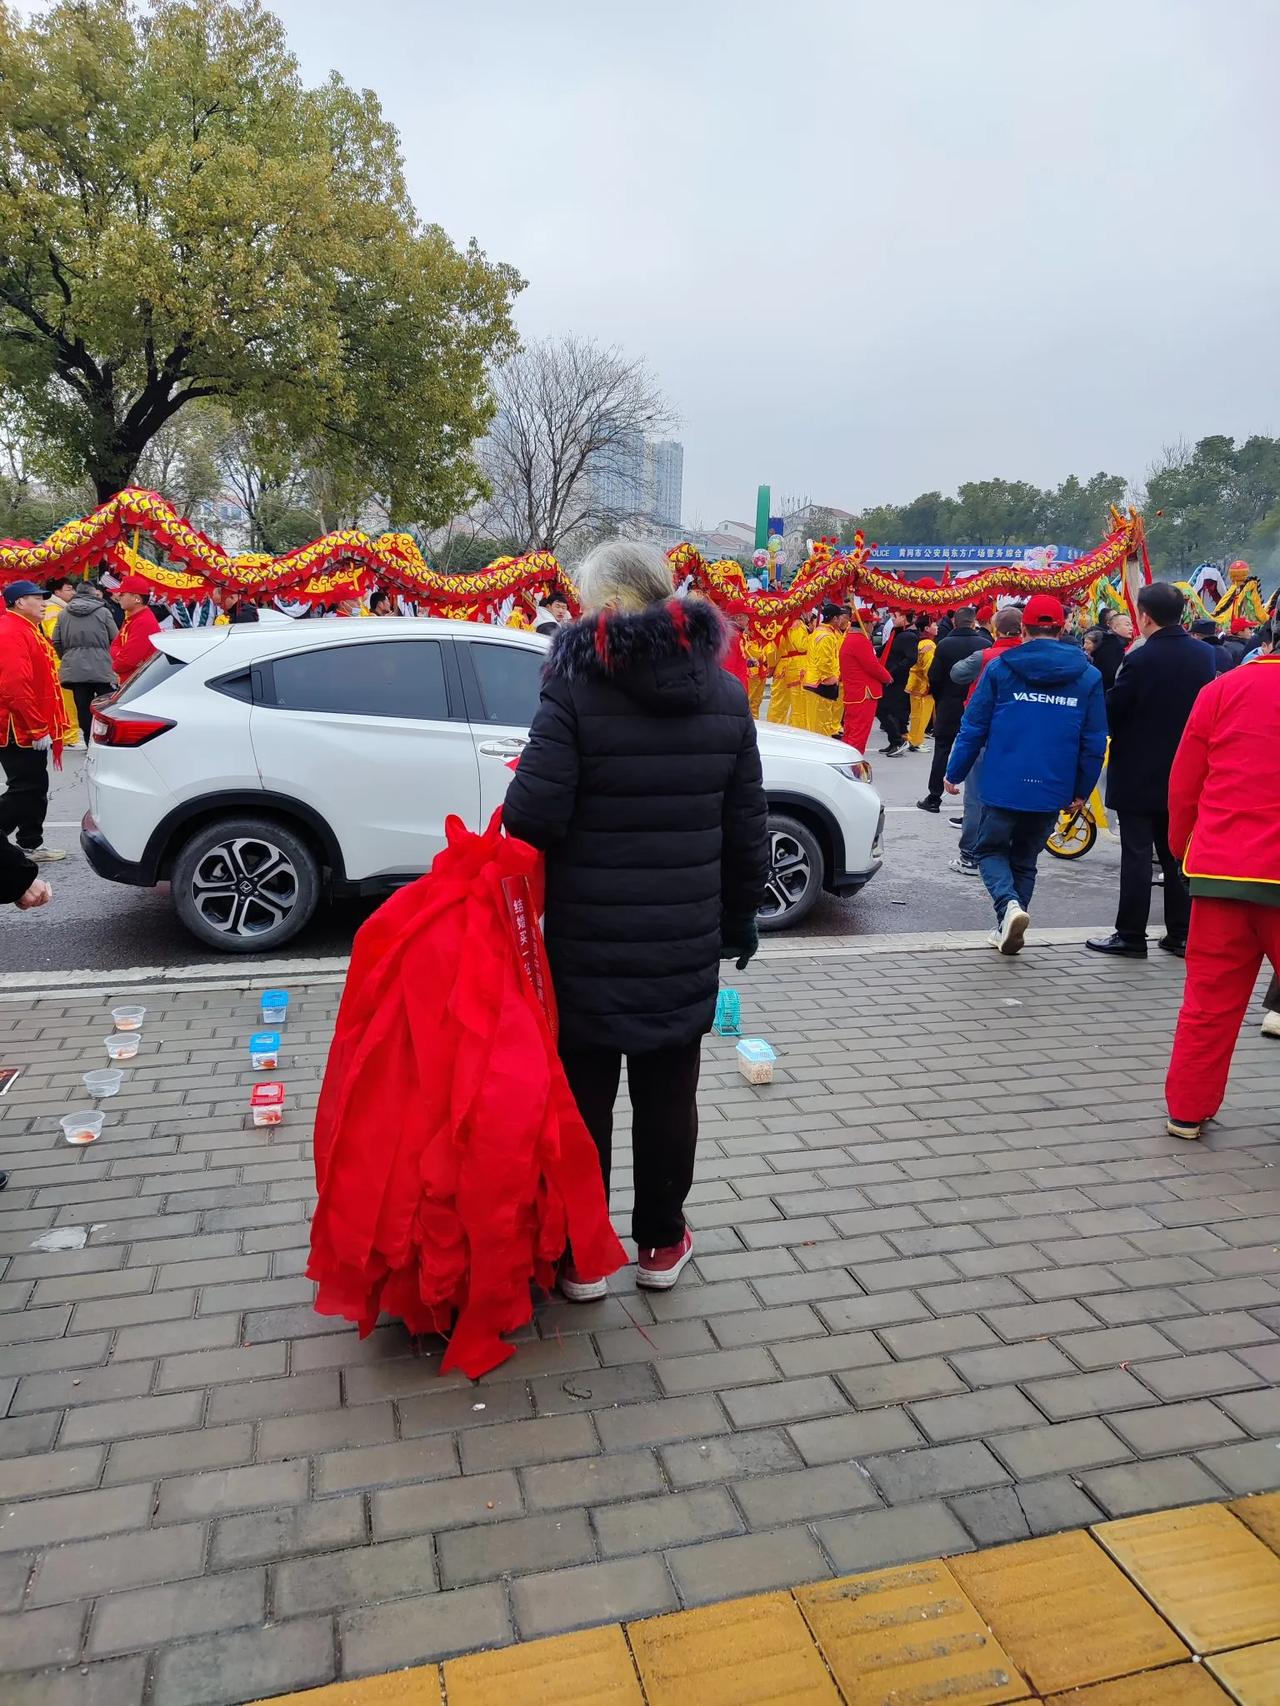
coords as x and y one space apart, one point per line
99 926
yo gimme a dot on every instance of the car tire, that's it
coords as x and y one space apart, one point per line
795 874
245 884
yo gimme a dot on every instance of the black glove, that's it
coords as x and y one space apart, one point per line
739 940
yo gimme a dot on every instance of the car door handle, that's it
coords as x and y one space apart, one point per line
508 747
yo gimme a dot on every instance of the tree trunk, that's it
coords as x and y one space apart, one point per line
113 468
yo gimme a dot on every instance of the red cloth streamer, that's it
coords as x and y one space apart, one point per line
451 1161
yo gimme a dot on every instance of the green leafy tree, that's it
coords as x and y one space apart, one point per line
1078 513
1214 501
181 219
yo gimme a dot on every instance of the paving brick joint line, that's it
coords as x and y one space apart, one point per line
954 1288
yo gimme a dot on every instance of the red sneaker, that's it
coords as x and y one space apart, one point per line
577 1289
660 1268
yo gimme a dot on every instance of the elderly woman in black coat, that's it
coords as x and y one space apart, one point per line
641 783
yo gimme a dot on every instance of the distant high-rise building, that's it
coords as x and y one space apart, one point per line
618 484
664 477
640 479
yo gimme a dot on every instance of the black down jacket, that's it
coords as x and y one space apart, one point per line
641 783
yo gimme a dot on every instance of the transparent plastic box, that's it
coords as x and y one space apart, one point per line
755 1060
266 1104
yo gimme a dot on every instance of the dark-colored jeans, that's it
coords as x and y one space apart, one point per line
1009 843
972 812
1141 835
663 1087
26 797
948 714
84 693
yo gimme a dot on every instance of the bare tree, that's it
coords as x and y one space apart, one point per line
565 452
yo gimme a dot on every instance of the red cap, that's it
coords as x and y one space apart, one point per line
1043 611
1242 625
135 583
986 612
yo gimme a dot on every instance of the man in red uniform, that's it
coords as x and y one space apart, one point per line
132 645
33 719
1224 823
863 678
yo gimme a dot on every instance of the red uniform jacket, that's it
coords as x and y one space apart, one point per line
1224 807
862 675
132 645
31 704
1003 643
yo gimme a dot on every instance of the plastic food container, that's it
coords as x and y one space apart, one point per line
275 1007
106 1081
755 1060
128 1018
83 1127
264 1051
123 1045
266 1104
728 1020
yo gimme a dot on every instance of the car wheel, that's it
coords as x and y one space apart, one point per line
795 874
245 884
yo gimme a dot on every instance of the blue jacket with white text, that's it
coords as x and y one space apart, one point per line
1040 712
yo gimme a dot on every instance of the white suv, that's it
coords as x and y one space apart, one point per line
256 768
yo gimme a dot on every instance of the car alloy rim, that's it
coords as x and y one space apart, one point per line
790 874
244 887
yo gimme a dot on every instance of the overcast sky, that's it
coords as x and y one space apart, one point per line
868 248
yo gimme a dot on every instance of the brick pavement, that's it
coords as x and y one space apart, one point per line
954 1287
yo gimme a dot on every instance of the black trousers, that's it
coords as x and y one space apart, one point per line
664 1128
26 798
1271 1000
1141 835
894 714
84 693
947 717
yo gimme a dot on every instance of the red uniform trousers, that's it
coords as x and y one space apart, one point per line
858 722
1225 949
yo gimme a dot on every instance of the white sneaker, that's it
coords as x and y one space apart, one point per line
576 1288
964 867
1013 928
45 855
1271 1025
993 940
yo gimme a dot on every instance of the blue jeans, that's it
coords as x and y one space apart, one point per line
1009 843
972 812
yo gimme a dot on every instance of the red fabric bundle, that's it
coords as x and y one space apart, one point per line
451 1160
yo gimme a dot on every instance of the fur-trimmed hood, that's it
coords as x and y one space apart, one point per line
665 657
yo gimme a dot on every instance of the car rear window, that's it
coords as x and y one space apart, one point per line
158 668
384 678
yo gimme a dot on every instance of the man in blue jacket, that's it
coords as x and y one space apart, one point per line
1039 717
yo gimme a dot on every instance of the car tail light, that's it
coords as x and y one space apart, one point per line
113 729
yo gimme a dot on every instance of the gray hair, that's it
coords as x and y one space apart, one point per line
625 574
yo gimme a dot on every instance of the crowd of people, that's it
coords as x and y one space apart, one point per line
1021 710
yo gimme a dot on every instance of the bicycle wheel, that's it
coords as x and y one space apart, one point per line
1074 836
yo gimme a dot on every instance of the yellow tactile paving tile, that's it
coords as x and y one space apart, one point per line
417 1687
746 1652
1262 1515
1211 1577
1176 1685
908 1634
1064 1613
1252 1675
590 1669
